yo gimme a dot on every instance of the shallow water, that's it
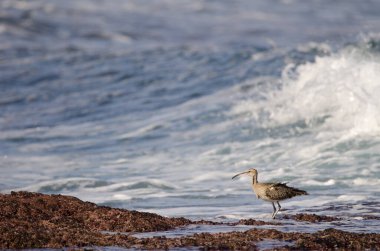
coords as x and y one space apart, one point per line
155 105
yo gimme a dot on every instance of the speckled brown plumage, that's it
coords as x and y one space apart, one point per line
281 191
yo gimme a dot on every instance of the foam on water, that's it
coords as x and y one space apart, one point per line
335 94
366 182
320 129
323 108
329 182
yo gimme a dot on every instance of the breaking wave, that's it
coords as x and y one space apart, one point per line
334 95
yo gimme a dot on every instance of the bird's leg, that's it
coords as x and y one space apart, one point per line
274 210
279 208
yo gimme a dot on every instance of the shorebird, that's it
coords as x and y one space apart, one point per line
272 192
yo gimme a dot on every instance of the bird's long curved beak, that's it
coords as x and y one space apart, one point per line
239 174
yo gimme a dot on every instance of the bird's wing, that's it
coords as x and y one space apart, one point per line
280 191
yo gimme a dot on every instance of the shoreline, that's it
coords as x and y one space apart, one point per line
35 220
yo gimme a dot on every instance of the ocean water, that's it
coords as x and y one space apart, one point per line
155 105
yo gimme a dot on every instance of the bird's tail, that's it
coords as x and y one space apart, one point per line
299 192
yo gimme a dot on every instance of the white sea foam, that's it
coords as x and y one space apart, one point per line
338 93
121 197
329 182
216 175
139 132
321 125
61 185
351 197
137 185
229 216
366 182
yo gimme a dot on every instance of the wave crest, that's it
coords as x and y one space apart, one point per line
334 94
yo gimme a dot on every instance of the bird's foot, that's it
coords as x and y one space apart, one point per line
275 213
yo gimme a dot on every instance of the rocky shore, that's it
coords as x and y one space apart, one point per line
33 220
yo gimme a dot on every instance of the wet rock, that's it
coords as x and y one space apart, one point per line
207 222
323 240
31 220
370 217
253 222
329 239
38 220
311 218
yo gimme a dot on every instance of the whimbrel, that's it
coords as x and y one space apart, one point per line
272 192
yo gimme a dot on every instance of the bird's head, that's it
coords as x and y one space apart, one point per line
250 172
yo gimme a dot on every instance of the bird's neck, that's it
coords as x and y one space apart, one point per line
254 180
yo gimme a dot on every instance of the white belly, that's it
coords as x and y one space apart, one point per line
266 198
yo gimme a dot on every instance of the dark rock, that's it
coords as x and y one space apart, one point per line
31 220
38 220
311 218
253 222
329 239
370 217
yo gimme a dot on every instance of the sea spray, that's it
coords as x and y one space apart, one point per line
335 95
